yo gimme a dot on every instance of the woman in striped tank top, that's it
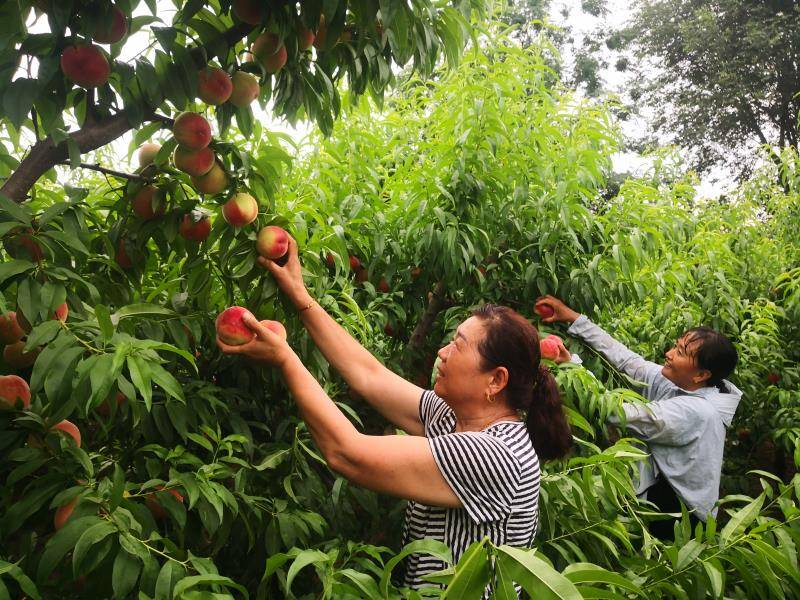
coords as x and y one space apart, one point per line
470 464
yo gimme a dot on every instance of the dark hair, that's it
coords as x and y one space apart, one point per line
714 352
510 341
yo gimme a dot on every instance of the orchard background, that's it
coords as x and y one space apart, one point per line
448 164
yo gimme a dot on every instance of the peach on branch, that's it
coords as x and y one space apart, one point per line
16 357
330 260
195 226
544 310
240 210
104 408
321 37
193 162
151 501
10 331
122 257
144 201
214 85
362 275
192 130
14 389
248 11
212 182
231 329
22 244
305 38
245 89
272 242
383 286
268 49
63 513
61 313
275 327
114 29
70 429
85 65
355 263
147 153
773 378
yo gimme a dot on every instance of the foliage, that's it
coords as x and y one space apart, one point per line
480 184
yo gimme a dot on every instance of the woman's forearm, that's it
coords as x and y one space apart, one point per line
331 430
344 353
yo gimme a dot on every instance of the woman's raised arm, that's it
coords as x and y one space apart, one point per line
394 397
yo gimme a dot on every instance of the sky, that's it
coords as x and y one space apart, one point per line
562 12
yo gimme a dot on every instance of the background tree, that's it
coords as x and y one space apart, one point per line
720 77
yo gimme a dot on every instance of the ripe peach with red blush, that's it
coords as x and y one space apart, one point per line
191 130
14 389
231 329
272 242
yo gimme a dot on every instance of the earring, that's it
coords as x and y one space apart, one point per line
489 398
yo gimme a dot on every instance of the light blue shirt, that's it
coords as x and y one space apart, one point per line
685 430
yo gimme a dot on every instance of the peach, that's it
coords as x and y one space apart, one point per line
773 378
330 260
16 357
248 11
69 428
245 89
192 130
272 242
275 327
10 331
144 200
195 227
63 513
212 182
362 275
551 346
150 500
214 85
114 30
321 36
230 327
14 389
193 162
544 310
104 408
355 263
240 210
23 245
268 49
383 286
147 153
85 65
122 257
305 38
62 312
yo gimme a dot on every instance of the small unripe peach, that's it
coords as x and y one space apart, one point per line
231 329
147 153
272 242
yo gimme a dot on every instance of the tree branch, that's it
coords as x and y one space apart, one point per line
106 171
93 135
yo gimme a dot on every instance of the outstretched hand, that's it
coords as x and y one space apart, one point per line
267 347
561 312
289 276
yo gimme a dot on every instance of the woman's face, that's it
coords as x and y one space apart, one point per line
680 366
460 377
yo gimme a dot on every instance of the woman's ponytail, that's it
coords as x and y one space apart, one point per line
546 420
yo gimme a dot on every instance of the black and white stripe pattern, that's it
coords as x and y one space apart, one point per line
495 474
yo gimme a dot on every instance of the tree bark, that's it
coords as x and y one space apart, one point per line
423 328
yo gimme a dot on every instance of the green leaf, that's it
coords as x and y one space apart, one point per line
16 266
588 573
62 542
209 579
425 546
303 559
103 316
537 577
91 536
125 573
471 573
740 520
